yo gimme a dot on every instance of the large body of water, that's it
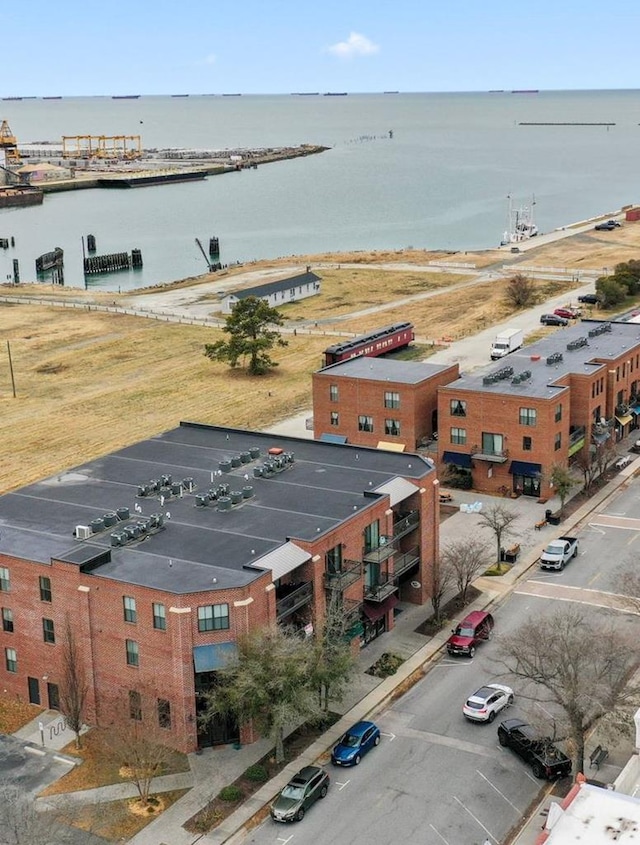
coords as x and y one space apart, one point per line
441 182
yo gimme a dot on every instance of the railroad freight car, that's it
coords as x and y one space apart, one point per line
372 344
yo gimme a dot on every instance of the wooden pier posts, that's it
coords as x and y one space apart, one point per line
112 261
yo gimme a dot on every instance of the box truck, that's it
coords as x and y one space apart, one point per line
507 341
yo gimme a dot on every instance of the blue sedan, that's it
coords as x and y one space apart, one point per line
355 743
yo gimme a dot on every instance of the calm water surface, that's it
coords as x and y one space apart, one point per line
440 183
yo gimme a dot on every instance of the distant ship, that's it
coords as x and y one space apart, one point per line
520 224
305 93
525 91
179 95
52 98
125 97
12 98
336 94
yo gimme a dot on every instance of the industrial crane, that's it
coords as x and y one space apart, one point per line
9 144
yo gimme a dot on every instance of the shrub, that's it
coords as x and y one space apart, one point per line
230 793
257 773
387 664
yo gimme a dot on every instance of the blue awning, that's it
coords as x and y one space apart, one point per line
209 658
458 459
525 468
635 410
333 438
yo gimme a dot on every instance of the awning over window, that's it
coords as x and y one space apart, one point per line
390 447
209 658
374 612
398 489
333 438
282 560
625 420
458 459
525 468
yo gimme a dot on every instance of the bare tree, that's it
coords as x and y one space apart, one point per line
136 741
562 481
73 686
578 666
587 465
333 660
466 558
273 684
499 519
605 455
443 575
520 291
627 578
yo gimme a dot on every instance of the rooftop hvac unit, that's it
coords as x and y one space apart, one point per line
83 532
254 452
247 492
224 466
235 496
245 457
118 538
236 460
188 484
96 525
224 503
122 513
202 501
166 480
110 518
257 472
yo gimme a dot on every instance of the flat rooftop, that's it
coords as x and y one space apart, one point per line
323 486
596 816
542 364
386 369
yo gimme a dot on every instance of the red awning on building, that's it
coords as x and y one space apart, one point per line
377 611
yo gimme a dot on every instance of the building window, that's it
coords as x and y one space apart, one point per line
159 616
130 614
333 559
558 412
558 441
333 392
164 713
620 397
458 408
459 436
48 631
392 427
45 588
11 659
133 658
335 418
526 444
5 582
135 705
371 536
213 617
391 400
365 423
7 620
491 443
528 416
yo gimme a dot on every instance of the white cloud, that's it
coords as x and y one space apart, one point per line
210 59
355 45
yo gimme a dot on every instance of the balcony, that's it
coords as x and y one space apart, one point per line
293 597
380 591
576 440
406 524
385 550
495 456
350 573
406 561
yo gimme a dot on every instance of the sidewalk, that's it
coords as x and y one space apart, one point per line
216 767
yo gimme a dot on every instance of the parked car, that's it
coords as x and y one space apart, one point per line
474 628
568 313
483 705
545 759
589 298
359 739
606 227
559 552
303 790
553 320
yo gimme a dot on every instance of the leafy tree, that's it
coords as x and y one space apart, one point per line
467 558
562 481
520 291
628 274
333 659
579 665
610 291
251 336
500 520
272 685
73 685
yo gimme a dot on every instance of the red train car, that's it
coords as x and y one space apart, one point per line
372 344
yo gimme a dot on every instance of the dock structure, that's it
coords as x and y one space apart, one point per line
50 260
112 261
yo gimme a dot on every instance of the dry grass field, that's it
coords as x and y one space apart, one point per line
89 382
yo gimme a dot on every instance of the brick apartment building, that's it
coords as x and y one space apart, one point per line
379 402
502 427
159 556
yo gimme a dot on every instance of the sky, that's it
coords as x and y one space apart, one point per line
76 48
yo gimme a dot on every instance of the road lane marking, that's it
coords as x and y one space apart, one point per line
341 785
501 794
475 818
437 833
284 841
391 736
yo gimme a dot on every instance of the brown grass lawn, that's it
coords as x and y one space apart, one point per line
99 768
15 714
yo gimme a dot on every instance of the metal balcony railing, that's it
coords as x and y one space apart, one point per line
405 525
380 591
496 456
385 550
405 561
576 435
350 573
294 600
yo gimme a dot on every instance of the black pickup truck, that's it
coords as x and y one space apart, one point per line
545 759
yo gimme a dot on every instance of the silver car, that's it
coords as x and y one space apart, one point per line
490 699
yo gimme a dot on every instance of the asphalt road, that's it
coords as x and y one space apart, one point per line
437 779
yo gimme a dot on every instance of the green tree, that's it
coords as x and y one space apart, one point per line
272 684
610 291
251 336
562 481
333 660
